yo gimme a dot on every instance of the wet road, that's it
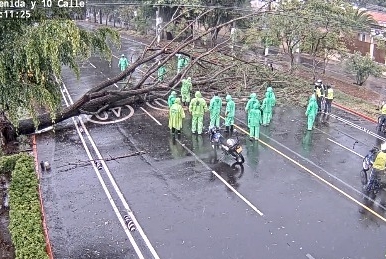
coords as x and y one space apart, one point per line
295 198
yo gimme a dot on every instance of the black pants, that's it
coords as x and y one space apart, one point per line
328 105
174 131
319 102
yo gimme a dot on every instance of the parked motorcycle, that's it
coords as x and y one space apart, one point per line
381 127
230 146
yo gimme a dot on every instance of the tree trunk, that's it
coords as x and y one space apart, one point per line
100 17
95 15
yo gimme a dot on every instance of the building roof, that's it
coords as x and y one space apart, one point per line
378 16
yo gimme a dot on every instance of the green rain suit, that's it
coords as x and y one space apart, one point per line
176 115
273 98
180 63
161 73
267 105
197 107
230 111
250 104
123 63
185 90
312 110
254 121
172 98
215 110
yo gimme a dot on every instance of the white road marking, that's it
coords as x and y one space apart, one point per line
156 108
109 197
317 166
158 101
116 188
222 180
113 121
352 151
309 256
114 83
92 64
159 123
358 127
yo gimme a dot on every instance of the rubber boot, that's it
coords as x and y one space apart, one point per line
231 131
226 129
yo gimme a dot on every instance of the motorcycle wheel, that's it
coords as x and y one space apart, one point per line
363 175
240 158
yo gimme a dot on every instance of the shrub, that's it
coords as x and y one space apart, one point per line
25 216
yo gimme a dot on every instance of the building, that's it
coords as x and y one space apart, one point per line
366 42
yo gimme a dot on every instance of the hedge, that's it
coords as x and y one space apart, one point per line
25 216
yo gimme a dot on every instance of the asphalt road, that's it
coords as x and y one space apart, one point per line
297 197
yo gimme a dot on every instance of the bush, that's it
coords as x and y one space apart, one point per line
25 216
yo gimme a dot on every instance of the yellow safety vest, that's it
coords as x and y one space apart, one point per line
330 94
318 92
380 161
383 109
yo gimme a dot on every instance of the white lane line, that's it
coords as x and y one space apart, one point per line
103 74
358 127
157 101
222 180
115 186
109 197
317 166
151 116
92 64
156 108
114 83
352 151
309 256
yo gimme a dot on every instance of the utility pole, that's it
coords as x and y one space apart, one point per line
266 50
158 22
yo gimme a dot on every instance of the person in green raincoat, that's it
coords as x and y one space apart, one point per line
312 110
186 61
254 122
267 105
123 63
180 63
197 108
215 110
229 114
185 90
172 98
176 115
161 72
252 100
273 99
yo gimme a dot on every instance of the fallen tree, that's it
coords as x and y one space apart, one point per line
208 72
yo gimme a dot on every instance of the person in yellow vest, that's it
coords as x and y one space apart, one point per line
377 172
382 118
319 94
329 98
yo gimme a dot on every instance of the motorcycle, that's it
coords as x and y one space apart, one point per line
381 127
371 185
230 146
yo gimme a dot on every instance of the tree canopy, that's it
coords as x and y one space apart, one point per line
32 52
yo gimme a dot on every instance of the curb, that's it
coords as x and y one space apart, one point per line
46 237
354 112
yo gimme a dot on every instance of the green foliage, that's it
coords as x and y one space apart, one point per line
25 216
363 67
32 53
